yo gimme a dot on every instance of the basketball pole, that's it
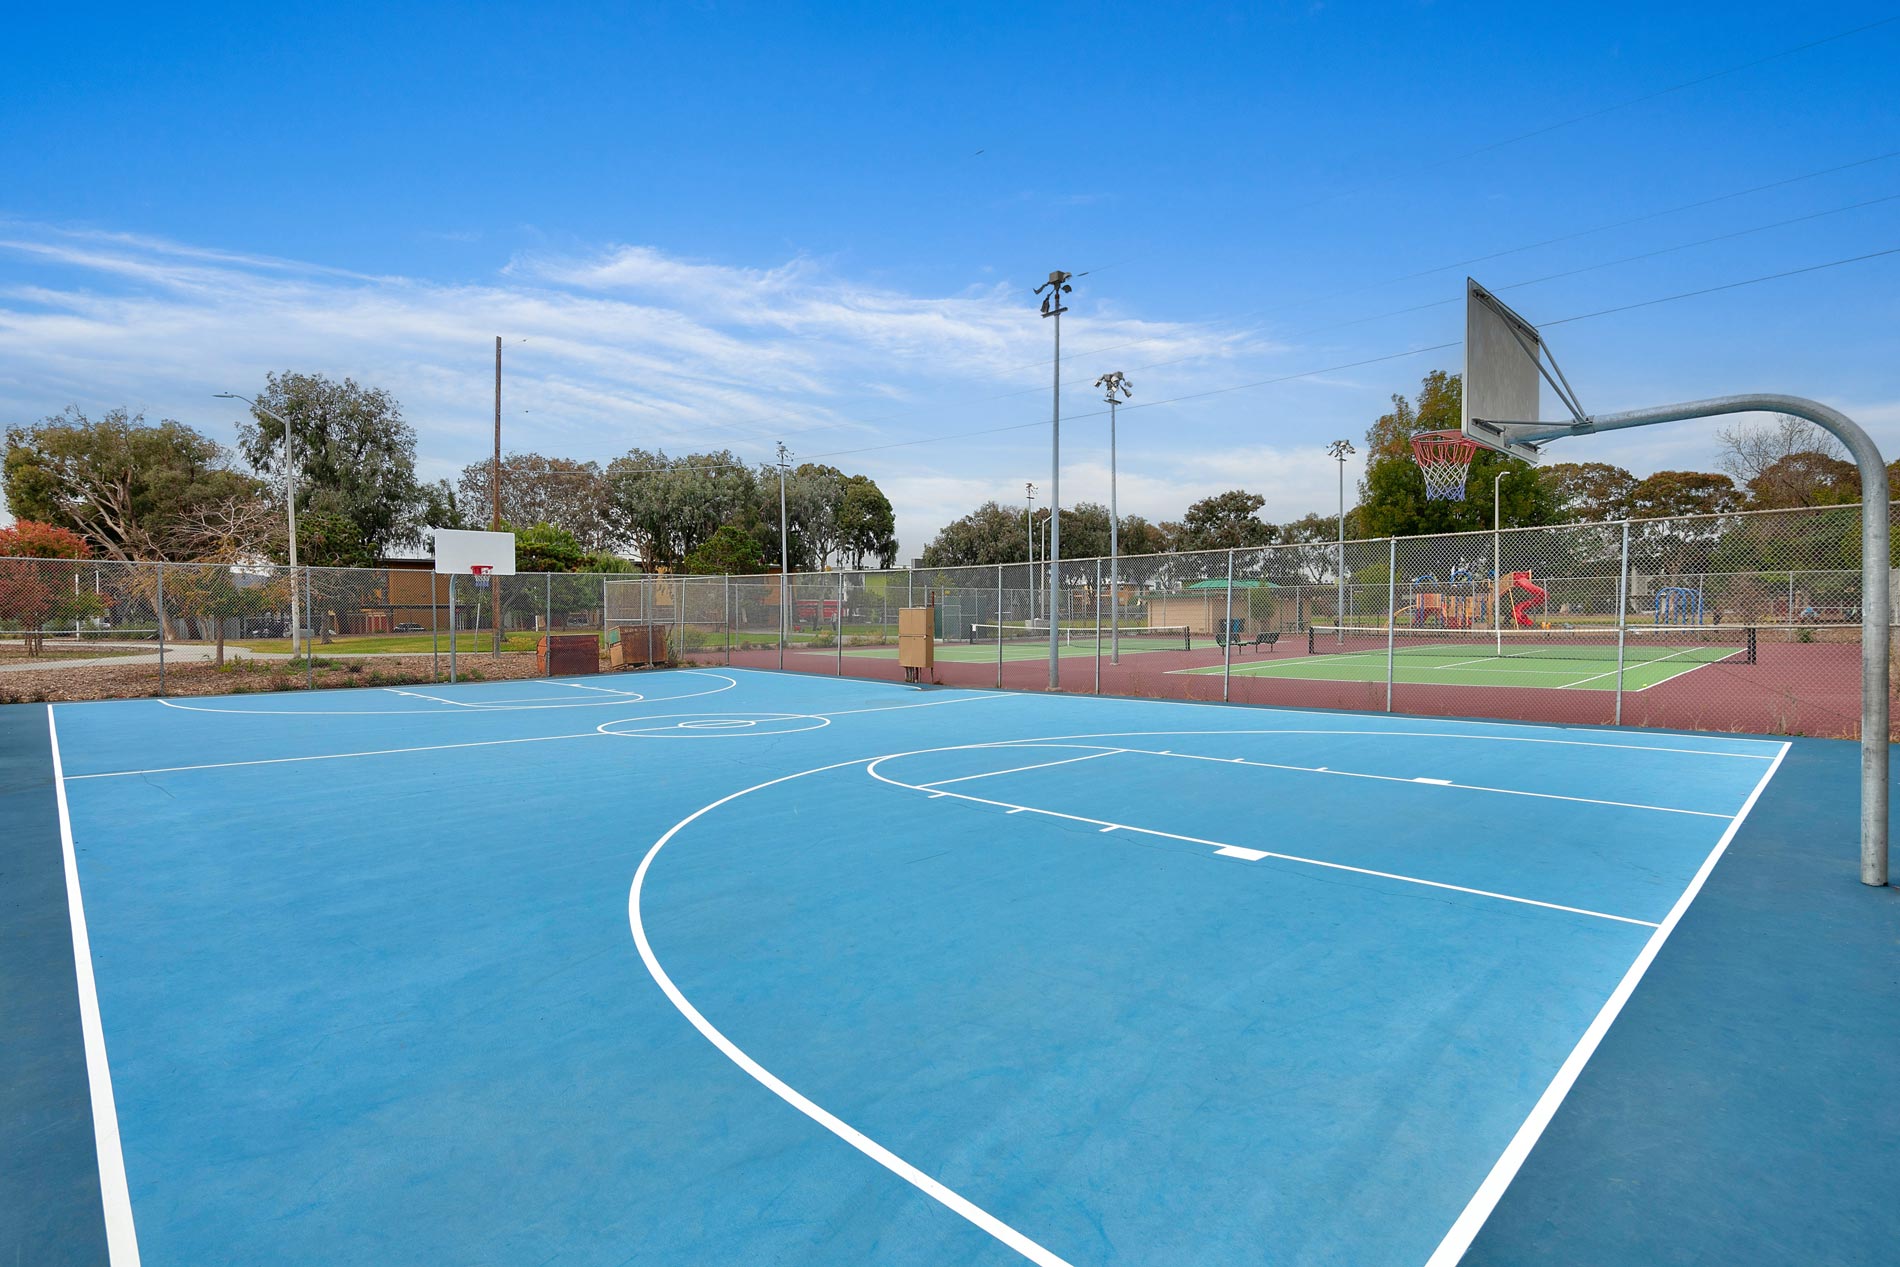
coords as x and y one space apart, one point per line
1876 610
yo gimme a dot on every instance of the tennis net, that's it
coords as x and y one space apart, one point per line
1701 644
1140 637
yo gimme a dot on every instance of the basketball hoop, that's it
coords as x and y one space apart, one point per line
480 572
1445 458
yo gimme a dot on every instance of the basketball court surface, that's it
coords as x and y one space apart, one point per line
735 966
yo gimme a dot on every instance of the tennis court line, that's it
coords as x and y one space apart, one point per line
1651 660
122 1243
1220 845
892 708
1040 765
1485 1200
329 756
928 1185
604 690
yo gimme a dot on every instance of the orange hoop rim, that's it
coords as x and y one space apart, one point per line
1444 458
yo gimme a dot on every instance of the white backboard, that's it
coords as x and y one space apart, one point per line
1502 379
458 550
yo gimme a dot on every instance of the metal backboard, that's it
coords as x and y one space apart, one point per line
458 550
1503 376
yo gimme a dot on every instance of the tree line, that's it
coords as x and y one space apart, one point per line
1784 463
138 491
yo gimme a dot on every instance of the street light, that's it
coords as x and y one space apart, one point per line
290 509
1114 382
1057 286
1339 451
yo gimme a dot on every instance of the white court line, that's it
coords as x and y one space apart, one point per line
883 1156
1446 783
482 743
1398 734
935 703
1485 1200
1040 765
433 699
122 1243
1652 660
329 756
1218 845
518 707
604 690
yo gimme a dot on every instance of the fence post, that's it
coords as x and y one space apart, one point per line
1227 634
784 613
1098 626
159 612
999 626
451 627
547 626
309 644
1622 618
727 611
839 671
1391 615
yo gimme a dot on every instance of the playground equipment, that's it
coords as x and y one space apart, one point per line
1457 604
1678 605
1521 610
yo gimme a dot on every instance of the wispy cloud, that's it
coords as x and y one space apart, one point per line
625 345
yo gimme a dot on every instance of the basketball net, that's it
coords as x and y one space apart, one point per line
1445 458
480 572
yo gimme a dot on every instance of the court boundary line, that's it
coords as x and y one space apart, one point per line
122 1244
488 743
1298 769
459 710
931 1187
1108 825
1478 1210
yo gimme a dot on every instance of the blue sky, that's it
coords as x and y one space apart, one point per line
723 225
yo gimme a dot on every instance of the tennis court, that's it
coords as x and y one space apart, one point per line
744 967
1577 660
989 644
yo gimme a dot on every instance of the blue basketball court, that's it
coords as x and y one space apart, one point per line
744 967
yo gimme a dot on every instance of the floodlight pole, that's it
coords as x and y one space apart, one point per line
1339 451
1115 382
1876 610
784 559
290 509
1057 286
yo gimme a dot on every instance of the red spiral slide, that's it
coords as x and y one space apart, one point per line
1521 610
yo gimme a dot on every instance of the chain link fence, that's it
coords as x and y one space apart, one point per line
1745 622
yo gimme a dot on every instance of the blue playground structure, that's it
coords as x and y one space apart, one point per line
1678 605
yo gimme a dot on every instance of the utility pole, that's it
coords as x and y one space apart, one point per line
1057 286
1115 382
1339 451
784 560
1029 521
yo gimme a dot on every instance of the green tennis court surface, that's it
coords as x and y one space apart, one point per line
1078 643
1477 662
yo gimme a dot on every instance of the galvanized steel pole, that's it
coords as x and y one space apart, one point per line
1876 560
